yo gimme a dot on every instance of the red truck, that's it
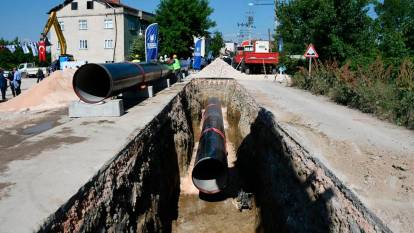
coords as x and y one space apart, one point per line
254 56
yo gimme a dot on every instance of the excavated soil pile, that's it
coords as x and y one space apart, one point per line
53 92
219 69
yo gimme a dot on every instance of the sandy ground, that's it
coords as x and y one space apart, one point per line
53 92
373 158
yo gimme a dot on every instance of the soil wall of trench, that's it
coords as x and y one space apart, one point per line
138 190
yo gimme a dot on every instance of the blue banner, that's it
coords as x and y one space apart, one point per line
197 54
151 43
280 44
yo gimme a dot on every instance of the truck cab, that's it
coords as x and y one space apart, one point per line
255 56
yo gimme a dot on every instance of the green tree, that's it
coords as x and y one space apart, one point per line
338 29
137 49
396 23
179 21
8 60
217 43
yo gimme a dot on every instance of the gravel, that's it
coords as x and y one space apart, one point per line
219 69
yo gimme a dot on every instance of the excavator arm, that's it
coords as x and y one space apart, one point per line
61 39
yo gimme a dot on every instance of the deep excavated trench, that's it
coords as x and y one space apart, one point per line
147 187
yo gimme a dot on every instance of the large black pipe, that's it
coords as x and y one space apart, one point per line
210 172
95 82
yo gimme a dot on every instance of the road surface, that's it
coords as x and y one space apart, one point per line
373 158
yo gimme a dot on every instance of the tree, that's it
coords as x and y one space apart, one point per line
217 43
396 22
179 21
8 60
338 29
137 49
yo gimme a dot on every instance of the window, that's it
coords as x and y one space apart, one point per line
109 44
83 44
109 23
248 48
89 5
83 24
74 6
62 25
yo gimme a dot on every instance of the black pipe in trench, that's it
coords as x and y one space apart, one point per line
210 172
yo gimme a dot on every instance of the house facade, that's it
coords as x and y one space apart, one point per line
98 31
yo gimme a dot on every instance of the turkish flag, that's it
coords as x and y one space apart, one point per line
42 51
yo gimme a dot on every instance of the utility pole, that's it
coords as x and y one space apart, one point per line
275 3
268 32
276 22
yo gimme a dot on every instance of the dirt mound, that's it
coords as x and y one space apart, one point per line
53 92
219 69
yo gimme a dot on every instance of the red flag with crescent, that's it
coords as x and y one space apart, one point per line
42 51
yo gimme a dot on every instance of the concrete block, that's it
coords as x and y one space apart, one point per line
108 108
147 92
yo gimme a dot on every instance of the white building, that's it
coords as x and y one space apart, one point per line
230 46
98 31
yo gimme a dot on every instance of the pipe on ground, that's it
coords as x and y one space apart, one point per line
210 172
93 83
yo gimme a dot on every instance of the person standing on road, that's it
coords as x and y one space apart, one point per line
10 77
17 81
176 68
40 75
3 84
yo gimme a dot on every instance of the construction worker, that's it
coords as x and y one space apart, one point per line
3 84
176 68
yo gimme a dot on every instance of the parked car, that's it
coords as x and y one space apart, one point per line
29 70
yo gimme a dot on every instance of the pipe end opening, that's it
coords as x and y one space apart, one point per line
210 176
92 83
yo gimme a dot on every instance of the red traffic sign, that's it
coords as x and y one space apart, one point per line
311 52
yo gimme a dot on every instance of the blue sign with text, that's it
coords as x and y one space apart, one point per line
197 54
151 43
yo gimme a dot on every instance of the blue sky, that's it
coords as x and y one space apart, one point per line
26 18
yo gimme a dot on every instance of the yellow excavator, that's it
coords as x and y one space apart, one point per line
61 39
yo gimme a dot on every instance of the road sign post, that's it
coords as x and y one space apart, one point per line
310 66
311 53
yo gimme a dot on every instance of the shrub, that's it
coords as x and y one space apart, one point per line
374 88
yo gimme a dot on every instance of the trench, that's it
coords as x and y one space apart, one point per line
147 186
